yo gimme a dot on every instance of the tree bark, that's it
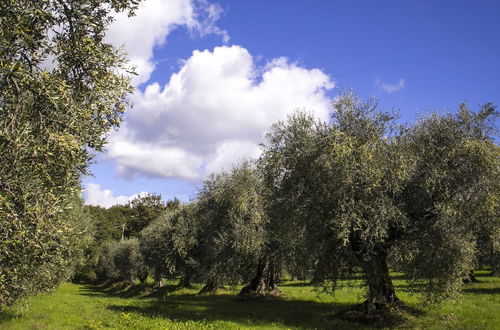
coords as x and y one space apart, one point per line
143 278
471 278
264 282
210 287
185 281
381 293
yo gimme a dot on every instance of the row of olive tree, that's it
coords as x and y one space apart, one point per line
61 90
362 188
328 200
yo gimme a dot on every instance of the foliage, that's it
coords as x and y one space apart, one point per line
360 188
123 261
451 194
232 225
141 211
129 262
61 91
169 243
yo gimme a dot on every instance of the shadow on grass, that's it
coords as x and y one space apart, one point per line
122 290
277 311
182 307
482 290
6 315
256 312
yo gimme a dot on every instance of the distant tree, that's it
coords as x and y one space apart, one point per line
358 189
169 244
141 212
122 261
232 226
129 262
105 225
61 90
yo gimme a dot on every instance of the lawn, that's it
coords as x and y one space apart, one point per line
85 306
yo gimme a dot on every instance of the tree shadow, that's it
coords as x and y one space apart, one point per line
120 290
255 312
6 315
166 302
482 290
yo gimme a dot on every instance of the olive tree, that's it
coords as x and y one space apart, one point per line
169 244
232 231
61 90
451 195
360 189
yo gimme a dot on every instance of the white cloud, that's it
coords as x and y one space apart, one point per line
215 110
153 21
390 88
94 195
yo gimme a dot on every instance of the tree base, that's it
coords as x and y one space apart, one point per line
375 313
248 292
471 278
210 288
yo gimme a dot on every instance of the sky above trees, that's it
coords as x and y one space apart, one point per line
213 76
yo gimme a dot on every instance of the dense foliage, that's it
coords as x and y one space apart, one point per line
61 91
232 226
362 188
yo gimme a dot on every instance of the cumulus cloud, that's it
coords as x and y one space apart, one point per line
153 21
94 195
215 110
390 88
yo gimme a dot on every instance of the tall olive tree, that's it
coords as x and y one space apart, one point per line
60 91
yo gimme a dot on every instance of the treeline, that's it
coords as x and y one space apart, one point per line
361 194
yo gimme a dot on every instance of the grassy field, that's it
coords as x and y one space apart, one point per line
76 306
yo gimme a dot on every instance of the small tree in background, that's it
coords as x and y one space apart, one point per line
141 211
129 262
169 244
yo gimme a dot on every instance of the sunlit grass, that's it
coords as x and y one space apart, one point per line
75 306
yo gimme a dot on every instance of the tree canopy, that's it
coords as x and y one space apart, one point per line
362 188
61 91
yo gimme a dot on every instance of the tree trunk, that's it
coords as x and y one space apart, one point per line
264 282
185 281
210 287
471 278
143 278
381 293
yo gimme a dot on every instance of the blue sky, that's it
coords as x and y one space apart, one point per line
214 75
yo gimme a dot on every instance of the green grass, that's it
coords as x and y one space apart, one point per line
76 306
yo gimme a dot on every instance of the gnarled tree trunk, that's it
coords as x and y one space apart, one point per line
211 286
471 278
264 282
381 293
143 278
185 281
